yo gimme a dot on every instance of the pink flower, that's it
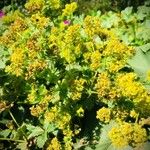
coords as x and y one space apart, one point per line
2 14
66 22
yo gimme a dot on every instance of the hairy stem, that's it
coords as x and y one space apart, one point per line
7 139
17 124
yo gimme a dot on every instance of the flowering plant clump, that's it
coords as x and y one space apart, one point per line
60 76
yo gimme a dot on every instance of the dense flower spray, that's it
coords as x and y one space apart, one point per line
71 70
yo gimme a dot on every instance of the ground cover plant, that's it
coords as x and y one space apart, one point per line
71 81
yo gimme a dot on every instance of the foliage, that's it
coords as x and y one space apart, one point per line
88 6
66 81
132 28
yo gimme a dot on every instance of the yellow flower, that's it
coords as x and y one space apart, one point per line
113 93
37 65
127 134
36 111
95 60
33 46
133 114
128 86
116 65
72 34
34 5
17 60
89 46
54 4
54 145
92 25
17 56
118 140
77 88
87 56
78 49
69 9
120 114
103 84
18 25
63 120
32 95
104 114
66 53
67 132
117 48
51 114
39 20
3 106
80 112
7 39
68 143
139 135
11 17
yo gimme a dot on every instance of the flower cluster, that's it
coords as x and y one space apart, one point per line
104 114
39 21
69 9
54 145
34 5
54 4
103 84
127 134
76 89
17 59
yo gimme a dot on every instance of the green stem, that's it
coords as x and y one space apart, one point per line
137 118
18 125
7 139
13 119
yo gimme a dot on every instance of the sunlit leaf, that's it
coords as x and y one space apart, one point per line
5 133
140 63
35 132
41 140
22 146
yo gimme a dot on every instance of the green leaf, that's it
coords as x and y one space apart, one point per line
110 19
79 19
2 64
105 146
4 121
56 97
143 11
127 14
145 47
98 40
143 30
105 130
49 127
140 63
19 134
22 146
30 127
41 140
5 133
42 90
109 146
36 132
